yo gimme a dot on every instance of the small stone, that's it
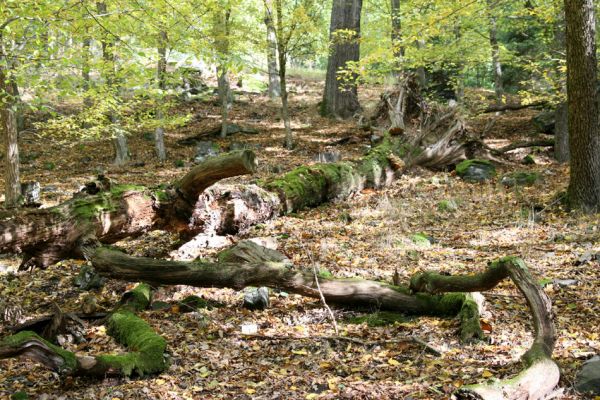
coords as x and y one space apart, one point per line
257 299
528 160
565 282
31 193
88 279
205 150
588 378
50 189
520 179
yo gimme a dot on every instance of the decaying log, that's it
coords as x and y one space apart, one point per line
48 235
252 265
513 107
541 373
147 348
525 144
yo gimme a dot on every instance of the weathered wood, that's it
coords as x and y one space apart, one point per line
538 359
525 144
513 107
48 235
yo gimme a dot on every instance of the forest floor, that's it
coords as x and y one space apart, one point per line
370 235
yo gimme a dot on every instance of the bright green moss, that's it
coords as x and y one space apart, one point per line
380 318
69 364
462 168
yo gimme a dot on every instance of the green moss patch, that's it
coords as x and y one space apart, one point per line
380 318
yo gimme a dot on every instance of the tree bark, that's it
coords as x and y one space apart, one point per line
282 50
274 85
561 146
340 98
496 64
161 73
584 132
85 71
8 124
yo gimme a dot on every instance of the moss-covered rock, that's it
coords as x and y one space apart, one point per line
476 170
520 178
447 206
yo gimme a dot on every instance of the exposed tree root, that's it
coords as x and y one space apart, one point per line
146 348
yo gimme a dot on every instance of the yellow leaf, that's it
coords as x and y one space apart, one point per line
393 362
300 352
487 374
159 381
325 365
311 396
250 391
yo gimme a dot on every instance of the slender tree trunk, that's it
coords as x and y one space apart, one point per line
222 32
421 73
108 56
584 132
85 71
161 71
561 146
8 125
496 64
274 85
223 83
397 48
340 98
282 53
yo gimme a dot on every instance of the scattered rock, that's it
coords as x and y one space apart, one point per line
328 157
376 139
587 257
588 378
275 169
193 303
520 179
256 299
565 282
205 150
545 122
31 194
88 279
235 146
422 240
50 189
476 170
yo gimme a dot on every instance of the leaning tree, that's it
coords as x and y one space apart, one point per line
85 225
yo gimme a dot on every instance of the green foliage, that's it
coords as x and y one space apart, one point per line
380 318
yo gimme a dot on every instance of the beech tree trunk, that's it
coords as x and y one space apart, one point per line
161 73
274 85
85 70
340 98
8 125
584 132
108 70
397 49
496 64
282 52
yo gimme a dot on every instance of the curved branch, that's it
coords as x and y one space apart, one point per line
538 359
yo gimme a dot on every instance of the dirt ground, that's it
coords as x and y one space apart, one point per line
370 235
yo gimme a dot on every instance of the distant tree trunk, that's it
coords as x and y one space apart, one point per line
161 71
222 31
561 146
108 57
496 64
561 142
274 85
397 48
421 73
340 98
282 54
584 132
85 71
8 125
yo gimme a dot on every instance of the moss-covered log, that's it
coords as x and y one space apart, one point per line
251 265
146 348
538 359
48 235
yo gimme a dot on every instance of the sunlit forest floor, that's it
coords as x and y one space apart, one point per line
371 235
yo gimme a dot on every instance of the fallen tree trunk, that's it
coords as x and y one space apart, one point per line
46 236
525 144
147 348
513 107
541 373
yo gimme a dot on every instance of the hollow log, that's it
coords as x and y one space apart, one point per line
538 359
147 348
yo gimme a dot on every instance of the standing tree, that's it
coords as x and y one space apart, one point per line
340 98
274 86
496 64
584 132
